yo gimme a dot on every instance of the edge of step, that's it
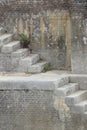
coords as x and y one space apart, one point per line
76 97
38 67
30 60
23 52
67 89
11 47
5 39
80 107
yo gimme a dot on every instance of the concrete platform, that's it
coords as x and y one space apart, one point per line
81 79
73 78
41 81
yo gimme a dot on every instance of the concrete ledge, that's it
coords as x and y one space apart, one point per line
67 89
76 97
39 81
12 46
20 53
80 79
6 38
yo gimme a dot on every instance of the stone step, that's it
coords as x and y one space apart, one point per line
31 59
16 57
4 39
76 97
11 47
85 115
81 79
67 89
80 107
20 53
1 31
25 63
37 68
41 81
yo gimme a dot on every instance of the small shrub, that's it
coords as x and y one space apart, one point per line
47 68
25 40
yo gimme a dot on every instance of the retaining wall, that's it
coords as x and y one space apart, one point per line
23 107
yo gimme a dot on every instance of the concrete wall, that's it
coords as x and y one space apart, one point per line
45 22
45 30
79 44
25 108
36 110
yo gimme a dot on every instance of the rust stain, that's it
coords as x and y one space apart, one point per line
31 27
15 26
59 103
20 26
67 30
53 25
56 25
42 26
26 28
60 25
64 20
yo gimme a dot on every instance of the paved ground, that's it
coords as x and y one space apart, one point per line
52 72
29 74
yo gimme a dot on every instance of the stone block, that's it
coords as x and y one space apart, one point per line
17 56
80 107
4 39
79 61
31 59
20 53
5 62
28 61
67 89
81 79
38 67
37 82
12 46
75 98
85 117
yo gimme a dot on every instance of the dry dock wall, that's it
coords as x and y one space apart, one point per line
44 21
23 107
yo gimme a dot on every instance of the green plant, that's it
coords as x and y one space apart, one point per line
25 40
47 68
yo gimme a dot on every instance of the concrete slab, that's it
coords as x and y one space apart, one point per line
20 53
67 89
75 98
80 107
39 81
12 46
6 38
38 67
80 79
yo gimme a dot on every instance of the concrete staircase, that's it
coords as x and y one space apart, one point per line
75 98
15 58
